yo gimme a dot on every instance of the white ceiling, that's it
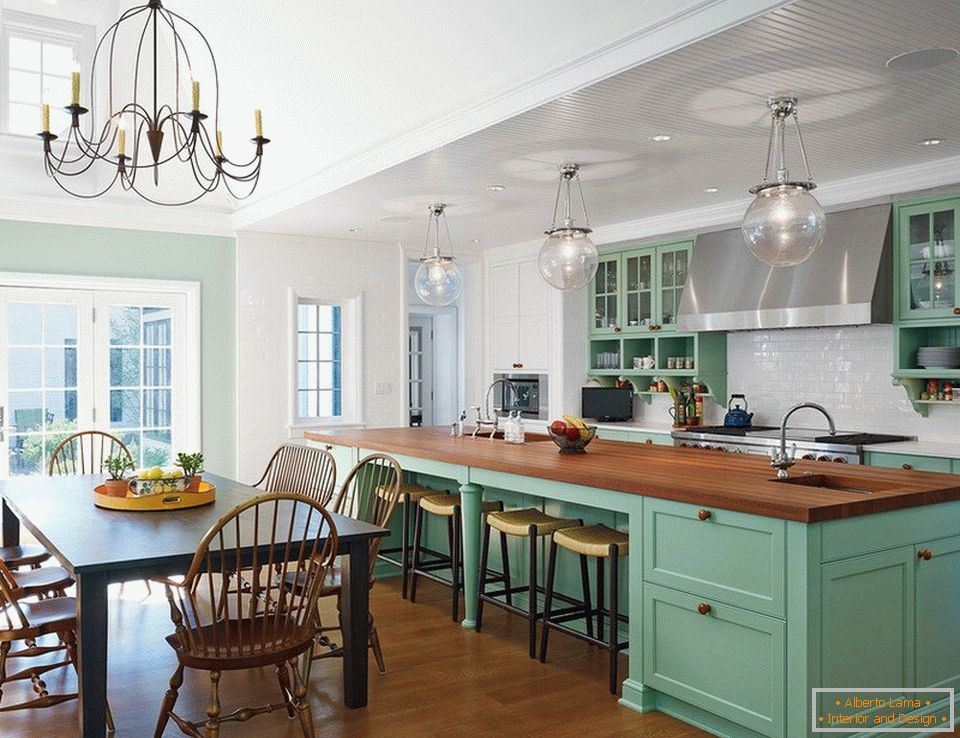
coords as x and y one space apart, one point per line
858 118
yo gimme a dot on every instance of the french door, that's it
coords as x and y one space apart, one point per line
74 360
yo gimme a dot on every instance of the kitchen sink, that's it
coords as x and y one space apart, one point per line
529 437
838 483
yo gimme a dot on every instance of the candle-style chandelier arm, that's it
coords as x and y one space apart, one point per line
161 131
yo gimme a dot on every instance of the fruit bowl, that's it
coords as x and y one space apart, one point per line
574 446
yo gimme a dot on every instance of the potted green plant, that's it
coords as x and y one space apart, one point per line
192 465
117 485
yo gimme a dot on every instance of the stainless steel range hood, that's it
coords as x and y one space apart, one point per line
847 281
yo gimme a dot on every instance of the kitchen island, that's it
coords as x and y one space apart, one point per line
843 577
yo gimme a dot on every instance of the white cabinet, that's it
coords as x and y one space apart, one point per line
519 337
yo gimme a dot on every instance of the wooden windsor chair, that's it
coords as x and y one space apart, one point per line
219 630
85 453
297 467
28 622
369 493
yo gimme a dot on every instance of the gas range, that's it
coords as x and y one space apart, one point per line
844 447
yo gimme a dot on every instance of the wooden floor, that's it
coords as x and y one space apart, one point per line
441 681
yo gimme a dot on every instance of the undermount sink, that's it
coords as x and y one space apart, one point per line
837 483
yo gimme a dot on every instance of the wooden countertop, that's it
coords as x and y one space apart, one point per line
697 476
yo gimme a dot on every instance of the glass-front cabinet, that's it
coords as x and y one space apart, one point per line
638 289
673 261
605 296
926 259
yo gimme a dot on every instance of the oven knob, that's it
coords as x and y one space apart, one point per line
684 445
721 449
823 458
840 460
809 457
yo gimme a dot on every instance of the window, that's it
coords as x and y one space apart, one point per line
319 360
38 57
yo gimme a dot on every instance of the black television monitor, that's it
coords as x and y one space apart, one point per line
607 404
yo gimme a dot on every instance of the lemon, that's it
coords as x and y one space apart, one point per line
175 473
155 473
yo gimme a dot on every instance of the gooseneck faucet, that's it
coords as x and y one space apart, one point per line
484 418
781 461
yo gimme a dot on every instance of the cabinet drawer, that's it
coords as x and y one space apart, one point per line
904 461
728 556
727 661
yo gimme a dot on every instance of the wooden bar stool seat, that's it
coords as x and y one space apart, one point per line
29 555
532 524
410 495
600 542
445 506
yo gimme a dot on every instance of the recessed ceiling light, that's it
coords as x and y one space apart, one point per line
476 240
915 61
711 189
354 230
393 219
660 137
496 187
931 142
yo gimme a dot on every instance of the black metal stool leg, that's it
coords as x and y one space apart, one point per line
600 597
455 548
405 545
614 639
532 592
418 532
484 555
505 560
548 600
585 581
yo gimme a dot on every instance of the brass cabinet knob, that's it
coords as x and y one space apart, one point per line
649 442
908 467
517 365
956 311
703 608
925 553
704 514
617 329
328 447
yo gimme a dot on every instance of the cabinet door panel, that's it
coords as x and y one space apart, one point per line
505 290
937 613
505 343
605 296
672 266
638 290
926 253
534 340
903 461
534 292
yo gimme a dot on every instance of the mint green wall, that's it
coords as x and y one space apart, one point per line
109 252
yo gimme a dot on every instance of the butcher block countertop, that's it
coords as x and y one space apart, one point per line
697 476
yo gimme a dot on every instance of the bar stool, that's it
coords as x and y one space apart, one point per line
446 506
409 494
528 522
600 542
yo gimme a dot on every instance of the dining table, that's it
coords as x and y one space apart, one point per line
102 546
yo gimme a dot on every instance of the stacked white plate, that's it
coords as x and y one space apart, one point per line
938 357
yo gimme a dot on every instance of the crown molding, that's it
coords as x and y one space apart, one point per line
106 214
692 24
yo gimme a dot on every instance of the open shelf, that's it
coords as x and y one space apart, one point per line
909 337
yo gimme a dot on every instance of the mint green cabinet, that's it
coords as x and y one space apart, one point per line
605 297
673 263
910 461
615 434
639 289
723 659
938 613
723 555
927 281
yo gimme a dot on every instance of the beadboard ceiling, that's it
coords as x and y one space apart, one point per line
858 119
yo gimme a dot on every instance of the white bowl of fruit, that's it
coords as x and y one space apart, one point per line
571 434
158 481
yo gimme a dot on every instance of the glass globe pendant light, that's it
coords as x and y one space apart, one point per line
438 280
568 258
784 224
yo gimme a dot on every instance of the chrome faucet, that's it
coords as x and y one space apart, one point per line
781 461
484 418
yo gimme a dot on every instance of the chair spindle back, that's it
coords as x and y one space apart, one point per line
296 467
85 453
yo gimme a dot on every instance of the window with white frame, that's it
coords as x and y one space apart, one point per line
37 57
319 360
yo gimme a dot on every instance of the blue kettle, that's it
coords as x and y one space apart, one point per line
737 417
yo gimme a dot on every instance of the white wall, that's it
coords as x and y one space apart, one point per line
268 268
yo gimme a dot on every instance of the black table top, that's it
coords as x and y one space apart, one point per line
60 512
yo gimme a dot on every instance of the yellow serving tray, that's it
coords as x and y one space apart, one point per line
168 501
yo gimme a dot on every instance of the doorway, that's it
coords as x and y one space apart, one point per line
421 370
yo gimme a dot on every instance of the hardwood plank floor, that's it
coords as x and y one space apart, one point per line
442 682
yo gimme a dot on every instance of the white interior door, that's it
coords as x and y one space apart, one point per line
46 374
421 368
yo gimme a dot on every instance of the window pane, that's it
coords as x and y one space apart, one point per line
329 346
24 53
60 365
124 408
26 453
156 408
131 439
307 317
157 449
328 318
325 404
157 326
124 325
24 368
60 324
124 367
156 367
307 349
50 444
307 375
26 411
307 400
56 91
25 120
61 409
25 87
57 58
325 375
25 322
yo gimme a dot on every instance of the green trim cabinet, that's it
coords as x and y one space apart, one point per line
605 297
928 285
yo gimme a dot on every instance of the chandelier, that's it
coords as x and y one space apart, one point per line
568 258
438 280
784 224
149 130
